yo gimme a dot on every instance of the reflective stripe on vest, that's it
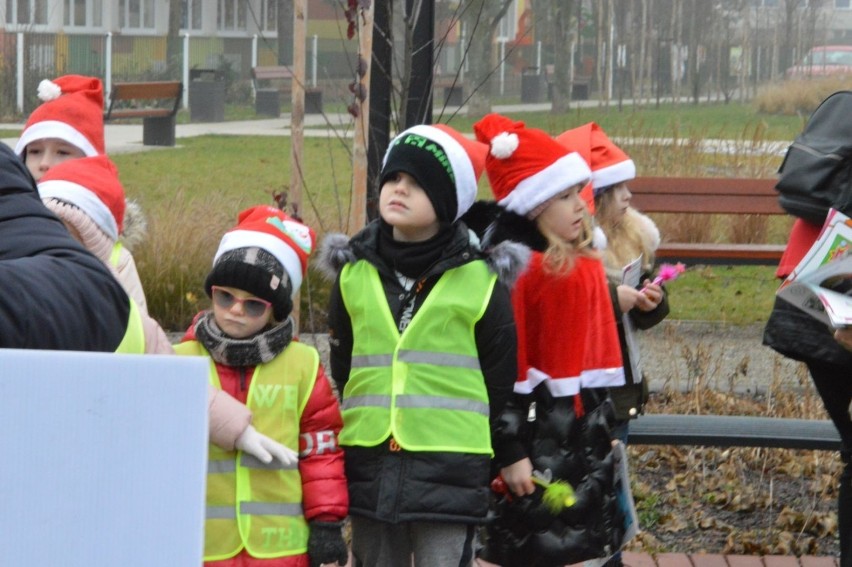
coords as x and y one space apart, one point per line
423 387
115 255
249 504
133 341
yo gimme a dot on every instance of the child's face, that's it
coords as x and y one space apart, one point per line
405 206
563 217
238 313
41 155
615 203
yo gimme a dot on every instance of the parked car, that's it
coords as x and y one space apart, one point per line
823 60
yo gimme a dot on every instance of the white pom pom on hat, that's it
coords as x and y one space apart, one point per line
48 90
504 144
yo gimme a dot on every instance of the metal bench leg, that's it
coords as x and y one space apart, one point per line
158 131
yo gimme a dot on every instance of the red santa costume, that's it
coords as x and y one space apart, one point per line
567 346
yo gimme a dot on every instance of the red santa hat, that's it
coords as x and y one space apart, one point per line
610 164
72 111
445 163
579 139
525 166
91 184
288 241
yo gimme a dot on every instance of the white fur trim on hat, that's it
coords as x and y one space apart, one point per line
82 198
567 171
613 174
272 244
54 129
466 183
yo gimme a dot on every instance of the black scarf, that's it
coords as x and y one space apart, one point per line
412 259
259 348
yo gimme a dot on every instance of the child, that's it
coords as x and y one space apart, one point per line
423 351
69 124
567 348
88 198
630 236
284 515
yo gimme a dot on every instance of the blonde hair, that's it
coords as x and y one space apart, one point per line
626 239
560 255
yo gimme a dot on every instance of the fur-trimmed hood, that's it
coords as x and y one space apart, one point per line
507 259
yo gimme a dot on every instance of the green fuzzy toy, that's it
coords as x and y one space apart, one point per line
558 494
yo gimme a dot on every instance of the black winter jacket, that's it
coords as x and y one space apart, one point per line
559 443
400 486
56 295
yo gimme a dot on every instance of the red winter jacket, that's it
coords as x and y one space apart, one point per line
324 493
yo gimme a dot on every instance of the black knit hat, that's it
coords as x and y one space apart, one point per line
256 271
427 162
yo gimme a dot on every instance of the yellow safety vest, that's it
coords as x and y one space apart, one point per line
424 386
134 337
249 504
115 255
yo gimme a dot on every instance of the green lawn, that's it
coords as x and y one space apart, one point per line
193 192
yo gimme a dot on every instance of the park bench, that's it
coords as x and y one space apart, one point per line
733 431
694 195
271 82
160 102
580 88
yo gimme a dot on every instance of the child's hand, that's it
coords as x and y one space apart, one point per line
627 297
844 337
265 448
518 477
650 296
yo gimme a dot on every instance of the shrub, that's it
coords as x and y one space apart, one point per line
798 96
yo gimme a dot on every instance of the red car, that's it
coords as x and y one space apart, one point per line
823 60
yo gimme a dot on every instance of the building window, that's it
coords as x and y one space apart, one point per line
269 18
26 12
84 13
843 4
232 15
136 14
190 15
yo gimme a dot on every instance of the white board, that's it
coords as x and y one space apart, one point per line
103 459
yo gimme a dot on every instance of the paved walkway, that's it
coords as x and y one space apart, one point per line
632 559
127 138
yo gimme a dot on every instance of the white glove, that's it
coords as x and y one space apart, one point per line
259 445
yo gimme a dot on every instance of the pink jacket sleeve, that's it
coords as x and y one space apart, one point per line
228 418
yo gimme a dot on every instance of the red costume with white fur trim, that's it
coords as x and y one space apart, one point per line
576 305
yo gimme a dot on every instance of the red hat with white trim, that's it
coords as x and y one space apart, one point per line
579 139
610 164
266 254
91 184
525 166
72 111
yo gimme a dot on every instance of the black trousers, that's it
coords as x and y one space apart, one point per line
834 384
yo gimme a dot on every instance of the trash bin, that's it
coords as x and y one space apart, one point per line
206 95
532 85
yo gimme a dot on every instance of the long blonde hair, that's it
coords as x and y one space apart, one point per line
560 256
627 238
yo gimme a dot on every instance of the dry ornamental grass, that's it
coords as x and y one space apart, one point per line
752 501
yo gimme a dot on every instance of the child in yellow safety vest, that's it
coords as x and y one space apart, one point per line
69 125
423 352
289 512
88 198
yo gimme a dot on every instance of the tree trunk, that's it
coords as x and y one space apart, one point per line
560 12
285 32
173 42
482 17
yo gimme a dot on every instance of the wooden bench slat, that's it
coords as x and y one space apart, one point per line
140 113
146 91
733 431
